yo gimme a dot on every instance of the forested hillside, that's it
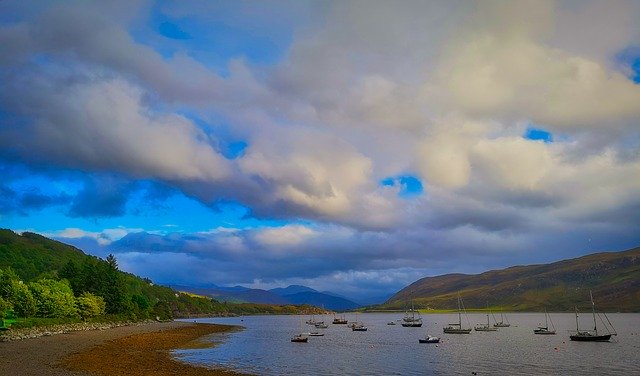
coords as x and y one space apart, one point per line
40 277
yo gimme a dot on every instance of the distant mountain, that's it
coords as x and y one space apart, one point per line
319 299
614 278
294 294
291 289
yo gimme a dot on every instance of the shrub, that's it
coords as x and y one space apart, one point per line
53 298
90 305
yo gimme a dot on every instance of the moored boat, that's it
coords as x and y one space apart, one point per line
299 338
456 328
593 335
358 327
339 320
545 329
412 318
485 327
429 339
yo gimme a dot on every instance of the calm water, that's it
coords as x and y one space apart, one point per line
264 348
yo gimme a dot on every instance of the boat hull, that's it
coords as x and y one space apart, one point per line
299 339
486 329
544 332
456 331
410 324
590 338
429 340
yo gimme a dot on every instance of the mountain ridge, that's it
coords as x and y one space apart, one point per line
614 278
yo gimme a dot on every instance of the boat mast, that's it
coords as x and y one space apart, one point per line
593 308
546 324
459 314
577 328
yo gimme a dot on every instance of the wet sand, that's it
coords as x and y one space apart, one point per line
129 350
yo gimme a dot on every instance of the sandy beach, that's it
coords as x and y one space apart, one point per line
128 350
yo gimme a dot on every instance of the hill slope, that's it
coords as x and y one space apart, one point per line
614 278
294 294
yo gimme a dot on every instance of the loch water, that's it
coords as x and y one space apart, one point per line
264 347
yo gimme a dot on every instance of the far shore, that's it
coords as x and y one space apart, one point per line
127 350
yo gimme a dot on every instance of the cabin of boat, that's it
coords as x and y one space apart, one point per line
316 334
429 339
543 330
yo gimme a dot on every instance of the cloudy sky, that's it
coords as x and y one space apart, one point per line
352 146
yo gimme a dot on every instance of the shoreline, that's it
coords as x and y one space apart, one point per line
126 350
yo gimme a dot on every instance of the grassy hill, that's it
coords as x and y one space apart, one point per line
614 278
34 257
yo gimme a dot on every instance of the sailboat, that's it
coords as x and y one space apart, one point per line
545 329
358 327
339 320
302 337
410 319
593 335
487 327
312 320
456 328
501 323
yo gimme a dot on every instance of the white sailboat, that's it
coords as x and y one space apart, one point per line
456 328
545 329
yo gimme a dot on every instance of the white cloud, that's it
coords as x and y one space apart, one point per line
285 236
104 237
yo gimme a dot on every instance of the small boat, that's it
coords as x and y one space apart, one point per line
300 338
503 323
339 320
391 323
593 335
545 329
485 327
429 339
358 327
321 325
456 328
316 334
411 320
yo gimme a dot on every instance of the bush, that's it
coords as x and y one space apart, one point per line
90 305
53 298
23 301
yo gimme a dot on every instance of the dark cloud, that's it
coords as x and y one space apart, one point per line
102 196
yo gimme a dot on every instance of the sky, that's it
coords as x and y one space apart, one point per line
350 146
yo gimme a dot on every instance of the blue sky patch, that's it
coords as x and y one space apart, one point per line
172 31
538 134
410 186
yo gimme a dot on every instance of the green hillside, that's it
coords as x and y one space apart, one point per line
614 278
44 278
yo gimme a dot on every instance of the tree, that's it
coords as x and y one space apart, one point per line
111 260
53 298
16 294
90 305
